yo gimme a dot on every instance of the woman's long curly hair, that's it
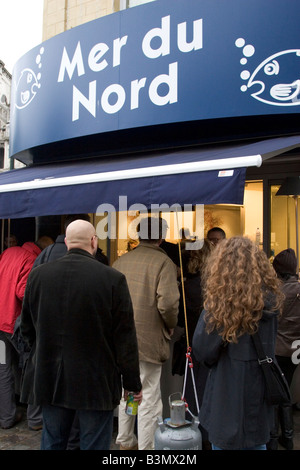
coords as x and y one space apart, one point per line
238 279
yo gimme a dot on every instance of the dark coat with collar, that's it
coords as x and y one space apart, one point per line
234 411
52 252
77 319
289 320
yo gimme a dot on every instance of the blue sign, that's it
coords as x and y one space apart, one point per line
163 62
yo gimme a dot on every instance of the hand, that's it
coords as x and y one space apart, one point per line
136 396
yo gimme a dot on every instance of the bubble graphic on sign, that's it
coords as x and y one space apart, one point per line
29 82
38 60
248 51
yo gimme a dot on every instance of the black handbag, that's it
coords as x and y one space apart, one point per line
277 388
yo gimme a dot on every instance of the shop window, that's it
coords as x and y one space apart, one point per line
226 216
117 230
245 220
253 212
186 223
283 222
120 227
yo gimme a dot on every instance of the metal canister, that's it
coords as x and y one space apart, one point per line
177 408
131 405
186 437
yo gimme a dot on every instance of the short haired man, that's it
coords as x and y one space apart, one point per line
152 281
78 321
10 241
215 235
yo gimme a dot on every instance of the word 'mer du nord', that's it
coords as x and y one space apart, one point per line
96 62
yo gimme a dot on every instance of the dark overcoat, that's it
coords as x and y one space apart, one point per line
289 321
77 318
234 411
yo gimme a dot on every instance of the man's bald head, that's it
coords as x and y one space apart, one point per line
81 234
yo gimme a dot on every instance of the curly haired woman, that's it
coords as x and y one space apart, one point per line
242 296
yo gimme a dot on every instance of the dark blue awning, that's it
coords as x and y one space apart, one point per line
204 175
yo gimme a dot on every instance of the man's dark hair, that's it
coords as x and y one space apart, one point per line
216 229
152 229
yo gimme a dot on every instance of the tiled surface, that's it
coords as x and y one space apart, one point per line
21 438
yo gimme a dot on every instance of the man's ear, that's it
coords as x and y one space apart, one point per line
94 243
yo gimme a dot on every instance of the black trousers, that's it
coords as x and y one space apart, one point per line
287 367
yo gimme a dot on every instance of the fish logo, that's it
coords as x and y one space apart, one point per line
28 84
270 82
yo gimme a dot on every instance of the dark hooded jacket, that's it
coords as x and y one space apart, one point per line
77 320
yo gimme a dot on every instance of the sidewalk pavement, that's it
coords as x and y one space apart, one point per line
20 437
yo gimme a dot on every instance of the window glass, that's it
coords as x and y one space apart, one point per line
283 222
253 211
134 3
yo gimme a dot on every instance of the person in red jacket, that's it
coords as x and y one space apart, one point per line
15 265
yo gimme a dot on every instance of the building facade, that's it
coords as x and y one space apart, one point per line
262 216
61 15
5 86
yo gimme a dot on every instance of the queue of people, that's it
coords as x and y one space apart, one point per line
95 333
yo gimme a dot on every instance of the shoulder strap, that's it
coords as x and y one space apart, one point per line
259 348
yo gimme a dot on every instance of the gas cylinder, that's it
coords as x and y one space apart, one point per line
177 433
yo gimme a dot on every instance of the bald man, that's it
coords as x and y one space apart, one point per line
77 318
